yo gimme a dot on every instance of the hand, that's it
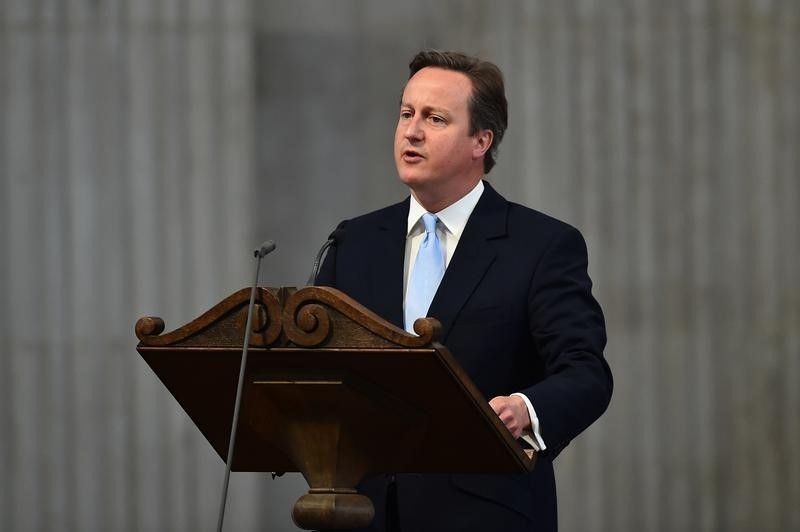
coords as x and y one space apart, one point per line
512 412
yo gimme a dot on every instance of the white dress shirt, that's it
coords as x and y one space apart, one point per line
452 221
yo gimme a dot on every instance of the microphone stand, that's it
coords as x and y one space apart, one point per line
333 240
265 248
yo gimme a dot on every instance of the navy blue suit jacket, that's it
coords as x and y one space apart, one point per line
517 313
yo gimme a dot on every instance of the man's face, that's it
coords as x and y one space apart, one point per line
433 149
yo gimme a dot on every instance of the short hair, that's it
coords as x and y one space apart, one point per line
488 108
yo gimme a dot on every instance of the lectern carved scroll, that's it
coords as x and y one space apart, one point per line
332 391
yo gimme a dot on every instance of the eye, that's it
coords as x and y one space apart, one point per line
437 120
405 114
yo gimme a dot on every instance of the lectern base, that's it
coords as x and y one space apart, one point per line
327 510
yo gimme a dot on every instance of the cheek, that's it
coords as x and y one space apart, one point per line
398 139
457 152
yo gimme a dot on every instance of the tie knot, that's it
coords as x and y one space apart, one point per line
430 222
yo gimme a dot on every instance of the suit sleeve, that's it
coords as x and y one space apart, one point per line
568 330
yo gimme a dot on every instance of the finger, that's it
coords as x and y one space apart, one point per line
497 404
504 409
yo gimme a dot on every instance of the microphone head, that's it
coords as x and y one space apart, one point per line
265 248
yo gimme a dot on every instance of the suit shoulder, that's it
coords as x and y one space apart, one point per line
522 216
390 215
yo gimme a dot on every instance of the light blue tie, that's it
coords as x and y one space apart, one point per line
426 275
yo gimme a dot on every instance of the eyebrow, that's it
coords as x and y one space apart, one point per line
428 109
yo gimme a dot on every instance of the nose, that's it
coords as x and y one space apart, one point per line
414 132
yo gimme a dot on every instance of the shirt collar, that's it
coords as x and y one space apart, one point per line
453 218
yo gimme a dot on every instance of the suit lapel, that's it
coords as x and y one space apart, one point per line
388 251
472 258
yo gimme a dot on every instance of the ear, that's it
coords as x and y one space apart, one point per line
483 141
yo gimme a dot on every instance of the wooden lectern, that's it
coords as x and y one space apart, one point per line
332 391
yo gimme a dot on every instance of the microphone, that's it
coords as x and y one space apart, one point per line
266 248
334 239
259 253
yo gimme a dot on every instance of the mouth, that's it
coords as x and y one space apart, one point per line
411 156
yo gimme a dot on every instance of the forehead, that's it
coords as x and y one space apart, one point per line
438 87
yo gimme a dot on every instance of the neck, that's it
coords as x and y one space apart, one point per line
435 200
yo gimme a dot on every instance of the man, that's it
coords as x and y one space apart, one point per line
509 284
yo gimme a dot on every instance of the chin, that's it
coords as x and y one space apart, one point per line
412 173
411 180
406 175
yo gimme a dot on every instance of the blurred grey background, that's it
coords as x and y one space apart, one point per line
147 146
